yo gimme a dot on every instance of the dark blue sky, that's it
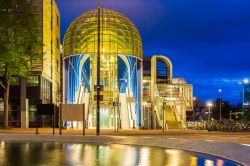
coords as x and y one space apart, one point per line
208 41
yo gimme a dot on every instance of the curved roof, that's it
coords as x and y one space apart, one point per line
118 34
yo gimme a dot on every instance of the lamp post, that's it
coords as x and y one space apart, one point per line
245 82
98 71
209 104
220 92
194 99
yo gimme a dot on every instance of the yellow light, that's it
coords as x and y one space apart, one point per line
193 161
171 98
103 49
209 104
112 59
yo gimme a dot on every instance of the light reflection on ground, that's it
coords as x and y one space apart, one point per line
60 154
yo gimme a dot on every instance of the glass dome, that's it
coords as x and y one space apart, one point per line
118 35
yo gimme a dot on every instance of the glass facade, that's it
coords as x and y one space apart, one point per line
246 95
118 34
120 64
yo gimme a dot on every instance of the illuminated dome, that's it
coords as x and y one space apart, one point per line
118 35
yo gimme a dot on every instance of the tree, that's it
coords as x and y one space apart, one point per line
19 43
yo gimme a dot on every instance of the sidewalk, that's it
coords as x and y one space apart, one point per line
243 138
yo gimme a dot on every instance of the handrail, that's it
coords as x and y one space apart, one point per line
169 91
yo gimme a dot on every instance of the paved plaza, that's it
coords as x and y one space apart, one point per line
233 146
236 137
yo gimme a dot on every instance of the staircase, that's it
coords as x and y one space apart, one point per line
172 122
170 95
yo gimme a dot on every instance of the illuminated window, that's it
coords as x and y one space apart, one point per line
118 35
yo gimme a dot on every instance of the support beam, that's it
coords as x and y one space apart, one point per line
24 104
98 72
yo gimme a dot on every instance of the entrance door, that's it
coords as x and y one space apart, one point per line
104 118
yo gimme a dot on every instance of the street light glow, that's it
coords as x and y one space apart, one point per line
209 104
220 90
245 81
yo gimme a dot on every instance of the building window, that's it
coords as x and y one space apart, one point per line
46 90
57 65
57 43
33 81
30 1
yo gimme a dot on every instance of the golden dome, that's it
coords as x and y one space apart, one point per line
118 35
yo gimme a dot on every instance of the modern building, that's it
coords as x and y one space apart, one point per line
165 99
246 96
44 84
136 100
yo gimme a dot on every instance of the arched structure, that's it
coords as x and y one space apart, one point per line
169 73
166 97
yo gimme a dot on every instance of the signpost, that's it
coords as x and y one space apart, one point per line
73 112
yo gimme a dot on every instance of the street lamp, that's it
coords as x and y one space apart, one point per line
194 99
220 92
244 83
209 104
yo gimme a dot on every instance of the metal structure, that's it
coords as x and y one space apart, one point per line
102 47
98 70
170 98
220 92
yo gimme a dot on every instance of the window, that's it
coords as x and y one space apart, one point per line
57 65
57 43
30 1
33 81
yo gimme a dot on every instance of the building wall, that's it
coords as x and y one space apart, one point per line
51 48
37 66
47 39
44 83
56 54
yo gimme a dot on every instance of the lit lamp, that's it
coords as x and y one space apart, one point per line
245 81
194 99
220 91
209 104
